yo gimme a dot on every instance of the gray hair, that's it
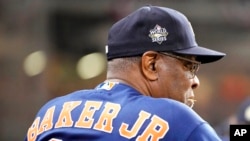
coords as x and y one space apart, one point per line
122 64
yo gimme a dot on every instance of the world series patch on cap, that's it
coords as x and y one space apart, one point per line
157 29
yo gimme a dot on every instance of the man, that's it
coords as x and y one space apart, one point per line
152 63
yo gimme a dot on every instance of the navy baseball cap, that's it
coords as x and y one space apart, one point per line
153 28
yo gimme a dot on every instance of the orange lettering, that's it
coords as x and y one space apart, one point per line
32 132
157 129
47 122
105 121
65 119
86 118
143 116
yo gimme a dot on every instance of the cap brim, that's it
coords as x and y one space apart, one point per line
204 55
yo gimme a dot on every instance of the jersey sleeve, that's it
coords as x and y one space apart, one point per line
204 132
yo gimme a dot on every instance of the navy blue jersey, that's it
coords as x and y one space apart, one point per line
117 112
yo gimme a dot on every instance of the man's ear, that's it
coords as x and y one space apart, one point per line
149 65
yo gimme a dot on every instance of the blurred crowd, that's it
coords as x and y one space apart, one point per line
240 117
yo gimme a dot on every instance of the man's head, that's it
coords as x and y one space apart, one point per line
168 56
160 29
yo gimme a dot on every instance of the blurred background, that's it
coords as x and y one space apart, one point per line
49 48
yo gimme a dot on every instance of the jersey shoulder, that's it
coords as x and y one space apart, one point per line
58 101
